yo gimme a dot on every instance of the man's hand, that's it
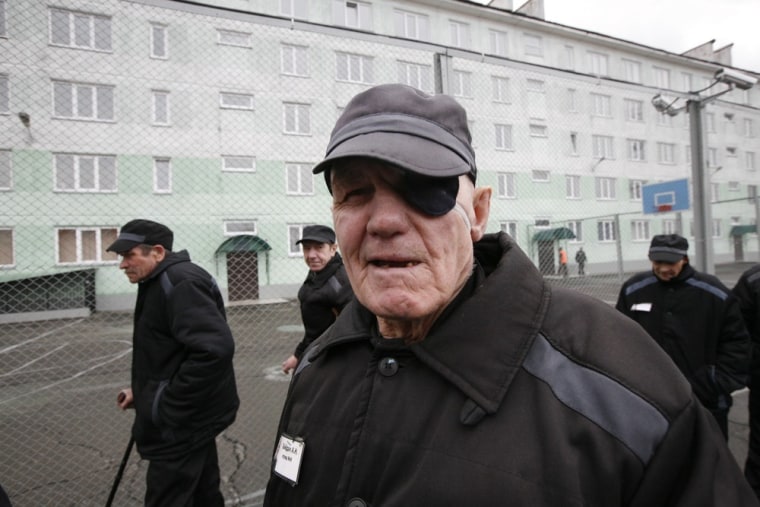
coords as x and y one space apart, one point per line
289 364
124 399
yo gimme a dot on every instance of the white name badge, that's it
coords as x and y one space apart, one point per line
287 458
642 307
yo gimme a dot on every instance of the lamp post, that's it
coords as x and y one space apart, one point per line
695 103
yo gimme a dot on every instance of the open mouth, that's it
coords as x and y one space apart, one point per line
393 264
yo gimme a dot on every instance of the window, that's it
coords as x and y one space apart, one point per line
598 63
605 188
605 230
572 186
710 122
510 228
295 8
238 227
533 45
714 192
233 38
354 68
500 89
6 173
460 34
537 130
661 78
80 30
162 175
539 176
569 57
577 227
716 227
749 127
83 101
231 100
416 75
503 136
300 180
733 186
669 226
666 153
7 248
634 189
664 119
507 187
3 17
573 143
688 81
293 60
84 173
160 107
159 41
751 193
238 164
411 25
712 157
749 160
296 118
5 100
352 14
85 245
602 147
635 149
640 230
461 85
634 110
632 71
601 105
295 232
497 41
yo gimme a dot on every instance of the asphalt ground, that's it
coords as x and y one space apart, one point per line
62 437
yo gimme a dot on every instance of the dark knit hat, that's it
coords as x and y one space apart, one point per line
668 248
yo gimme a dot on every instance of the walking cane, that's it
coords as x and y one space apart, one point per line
120 472
122 465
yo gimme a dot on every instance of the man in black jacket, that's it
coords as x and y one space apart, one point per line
747 291
695 319
183 383
457 375
325 291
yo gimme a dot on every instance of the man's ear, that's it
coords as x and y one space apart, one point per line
481 204
160 252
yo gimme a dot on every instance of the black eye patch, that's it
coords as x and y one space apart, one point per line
432 196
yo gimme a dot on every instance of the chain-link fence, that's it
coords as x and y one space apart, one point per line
209 120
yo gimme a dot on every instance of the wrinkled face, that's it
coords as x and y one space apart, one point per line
140 262
666 271
402 263
317 255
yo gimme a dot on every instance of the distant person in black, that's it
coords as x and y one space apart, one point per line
747 291
695 319
580 259
325 291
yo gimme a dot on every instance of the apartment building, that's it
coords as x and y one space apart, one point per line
209 115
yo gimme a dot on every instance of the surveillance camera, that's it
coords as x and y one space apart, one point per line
662 103
736 78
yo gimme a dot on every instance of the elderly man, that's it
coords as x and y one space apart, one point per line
183 383
747 291
457 376
325 291
695 319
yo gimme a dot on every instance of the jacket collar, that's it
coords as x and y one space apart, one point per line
170 259
482 340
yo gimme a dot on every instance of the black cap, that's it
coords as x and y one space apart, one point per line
142 232
403 126
318 233
669 248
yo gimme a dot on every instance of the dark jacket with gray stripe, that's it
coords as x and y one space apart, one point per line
747 292
322 296
183 381
697 321
522 395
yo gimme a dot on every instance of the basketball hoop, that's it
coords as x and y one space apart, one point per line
664 207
